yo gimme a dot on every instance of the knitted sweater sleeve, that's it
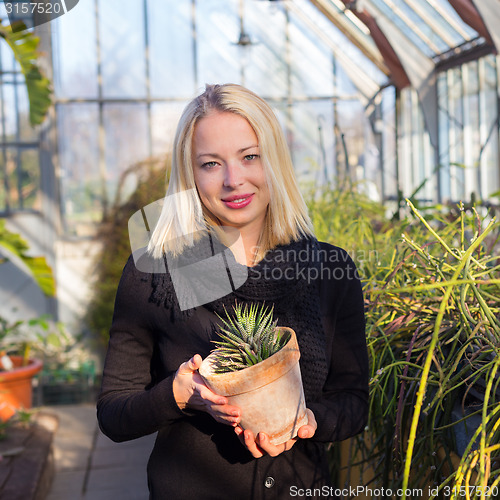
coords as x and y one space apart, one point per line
342 411
130 404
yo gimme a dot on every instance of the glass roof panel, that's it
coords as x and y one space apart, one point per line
428 24
354 22
411 25
445 11
311 62
431 25
340 40
346 22
443 20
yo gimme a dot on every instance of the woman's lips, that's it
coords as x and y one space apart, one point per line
238 201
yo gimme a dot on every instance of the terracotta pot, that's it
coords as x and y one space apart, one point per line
15 386
269 394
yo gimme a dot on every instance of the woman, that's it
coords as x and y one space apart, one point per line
231 158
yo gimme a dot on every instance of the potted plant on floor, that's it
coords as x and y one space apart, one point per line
16 338
24 47
17 368
256 366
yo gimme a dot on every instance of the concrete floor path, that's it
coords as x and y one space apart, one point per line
89 466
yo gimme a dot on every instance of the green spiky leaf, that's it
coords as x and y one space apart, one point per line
247 338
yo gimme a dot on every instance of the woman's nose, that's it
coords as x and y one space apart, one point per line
233 175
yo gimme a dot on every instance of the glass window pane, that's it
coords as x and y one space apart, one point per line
12 170
312 141
171 48
444 138
349 49
490 172
455 108
81 179
404 143
29 181
15 111
442 24
7 57
471 127
389 157
123 51
418 170
126 143
265 65
20 178
9 194
452 22
423 25
342 83
3 182
217 31
311 62
75 52
422 154
409 26
164 118
350 123
26 131
9 116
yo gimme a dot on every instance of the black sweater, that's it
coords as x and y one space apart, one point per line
194 456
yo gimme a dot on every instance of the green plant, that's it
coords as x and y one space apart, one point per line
19 336
24 416
248 338
66 360
22 336
16 247
349 219
4 427
24 45
433 332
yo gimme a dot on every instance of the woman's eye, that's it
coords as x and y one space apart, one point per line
209 164
251 157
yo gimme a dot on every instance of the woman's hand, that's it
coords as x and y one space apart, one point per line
190 391
259 446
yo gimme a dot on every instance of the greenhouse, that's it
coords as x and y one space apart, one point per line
390 109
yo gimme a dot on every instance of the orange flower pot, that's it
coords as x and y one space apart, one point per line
270 393
16 386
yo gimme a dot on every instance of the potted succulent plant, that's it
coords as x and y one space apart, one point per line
256 366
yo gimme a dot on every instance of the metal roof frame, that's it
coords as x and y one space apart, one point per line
490 12
365 85
416 54
336 12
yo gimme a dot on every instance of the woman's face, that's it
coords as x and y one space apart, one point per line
228 171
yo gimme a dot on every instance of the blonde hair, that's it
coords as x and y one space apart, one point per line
183 214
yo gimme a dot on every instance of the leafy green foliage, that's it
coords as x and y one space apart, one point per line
21 336
18 247
349 219
24 416
248 338
4 427
431 279
433 333
24 46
